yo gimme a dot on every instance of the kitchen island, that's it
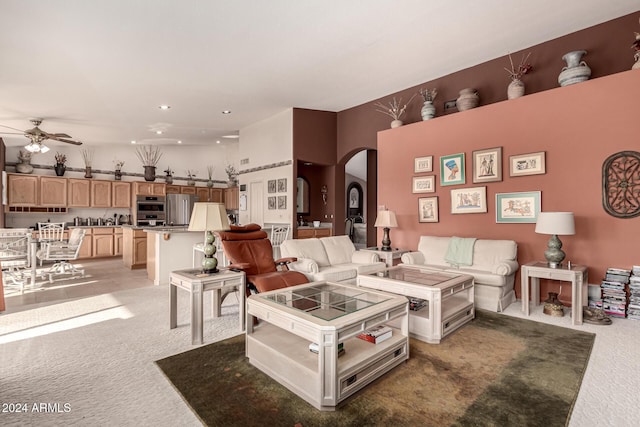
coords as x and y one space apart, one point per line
169 249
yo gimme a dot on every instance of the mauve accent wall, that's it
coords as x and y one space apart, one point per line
577 126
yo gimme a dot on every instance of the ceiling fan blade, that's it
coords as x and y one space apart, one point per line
58 135
11 133
9 127
68 141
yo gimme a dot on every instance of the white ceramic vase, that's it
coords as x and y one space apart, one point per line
396 124
576 70
515 89
468 99
428 110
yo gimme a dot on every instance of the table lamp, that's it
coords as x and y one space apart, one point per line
556 224
386 219
209 217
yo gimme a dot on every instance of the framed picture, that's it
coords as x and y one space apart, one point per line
469 200
424 184
282 185
282 202
423 164
243 202
428 209
517 207
527 164
271 202
354 198
452 169
271 186
487 165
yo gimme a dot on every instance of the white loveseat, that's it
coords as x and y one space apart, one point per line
494 266
329 258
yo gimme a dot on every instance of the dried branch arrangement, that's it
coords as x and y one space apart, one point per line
148 155
87 156
210 170
395 109
523 68
429 95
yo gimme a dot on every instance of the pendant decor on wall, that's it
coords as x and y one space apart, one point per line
621 184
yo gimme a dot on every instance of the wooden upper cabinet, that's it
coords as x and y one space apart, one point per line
149 188
100 194
172 189
232 198
53 191
187 189
22 190
203 194
79 193
120 194
216 195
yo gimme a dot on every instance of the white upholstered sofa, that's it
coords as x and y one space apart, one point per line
494 265
329 258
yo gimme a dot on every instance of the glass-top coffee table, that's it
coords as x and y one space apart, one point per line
330 316
440 301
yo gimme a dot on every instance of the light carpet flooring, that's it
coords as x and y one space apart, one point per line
90 344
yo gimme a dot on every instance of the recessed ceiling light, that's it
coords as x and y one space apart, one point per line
226 112
159 132
231 136
164 107
218 142
179 142
133 142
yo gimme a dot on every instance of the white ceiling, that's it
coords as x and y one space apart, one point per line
98 70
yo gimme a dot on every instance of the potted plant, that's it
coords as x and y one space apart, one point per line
191 177
232 175
168 177
210 170
516 87
60 166
118 166
149 156
87 156
395 110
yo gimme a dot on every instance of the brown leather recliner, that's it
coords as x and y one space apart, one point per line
248 249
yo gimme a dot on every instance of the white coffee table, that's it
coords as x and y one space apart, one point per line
327 314
449 298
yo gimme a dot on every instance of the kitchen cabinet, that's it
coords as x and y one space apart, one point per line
187 189
87 245
118 241
102 242
149 188
22 190
100 194
310 232
216 195
120 194
203 194
134 249
53 191
231 198
79 193
172 189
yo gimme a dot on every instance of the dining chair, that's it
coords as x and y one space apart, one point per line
279 234
50 231
61 252
15 244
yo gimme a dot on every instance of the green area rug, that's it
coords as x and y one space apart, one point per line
495 371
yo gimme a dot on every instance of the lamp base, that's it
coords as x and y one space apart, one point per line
554 254
215 270
386 241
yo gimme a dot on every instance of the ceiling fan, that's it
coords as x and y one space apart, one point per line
38 136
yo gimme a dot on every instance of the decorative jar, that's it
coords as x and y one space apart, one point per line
428 110
576 70
468 99
515 89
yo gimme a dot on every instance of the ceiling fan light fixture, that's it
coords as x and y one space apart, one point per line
34 147
44 149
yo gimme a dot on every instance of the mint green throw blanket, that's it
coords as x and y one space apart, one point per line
460 251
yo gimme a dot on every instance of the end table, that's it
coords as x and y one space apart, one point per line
387 256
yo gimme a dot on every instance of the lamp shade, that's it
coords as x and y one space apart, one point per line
208 217
386 219
559 223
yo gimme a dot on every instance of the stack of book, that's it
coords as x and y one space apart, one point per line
416 304
633 311
315 348
377 334
614 292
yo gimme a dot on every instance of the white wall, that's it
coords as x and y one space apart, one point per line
266 144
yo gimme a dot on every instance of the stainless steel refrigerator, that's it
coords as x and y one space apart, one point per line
178 208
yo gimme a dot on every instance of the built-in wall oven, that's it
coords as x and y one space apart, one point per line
150 211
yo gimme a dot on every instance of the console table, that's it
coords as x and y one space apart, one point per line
196 283
577 275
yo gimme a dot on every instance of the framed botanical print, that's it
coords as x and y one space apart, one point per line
428 209
469 200
517 207
487 165
271 186
282 202
452 169
424 184
282 185
423 164
271 202
527 164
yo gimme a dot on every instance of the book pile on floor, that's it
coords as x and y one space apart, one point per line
633 311
614 292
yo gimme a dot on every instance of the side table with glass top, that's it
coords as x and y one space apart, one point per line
330 315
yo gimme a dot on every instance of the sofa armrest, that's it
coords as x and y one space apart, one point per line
364 257
413 258
505 268
304 265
